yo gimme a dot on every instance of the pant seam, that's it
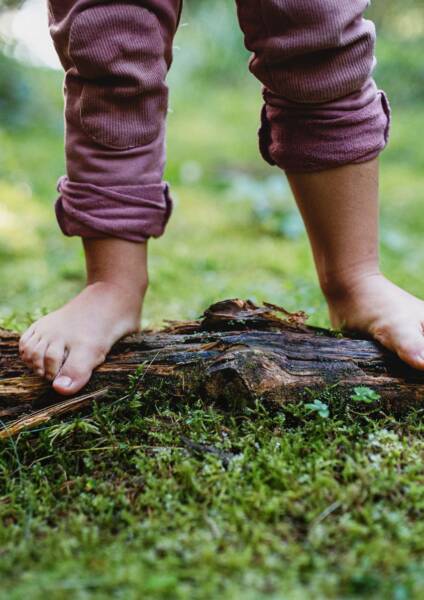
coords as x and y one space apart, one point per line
268 33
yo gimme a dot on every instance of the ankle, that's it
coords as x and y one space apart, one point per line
125 298
343 286
122 303
117 264
130 288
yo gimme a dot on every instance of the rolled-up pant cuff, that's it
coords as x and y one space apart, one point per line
130 212
315 137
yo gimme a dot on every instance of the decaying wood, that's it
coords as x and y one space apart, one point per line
236 353
62 407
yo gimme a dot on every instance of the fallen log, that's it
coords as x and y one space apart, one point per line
234 354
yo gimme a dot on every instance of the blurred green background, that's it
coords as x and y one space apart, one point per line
235 230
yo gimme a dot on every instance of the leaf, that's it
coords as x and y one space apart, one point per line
319 407
364 394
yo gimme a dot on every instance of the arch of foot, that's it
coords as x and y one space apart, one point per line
315 59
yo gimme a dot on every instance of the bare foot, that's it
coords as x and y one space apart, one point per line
380 308
66 345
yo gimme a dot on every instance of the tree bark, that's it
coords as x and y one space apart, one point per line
235 354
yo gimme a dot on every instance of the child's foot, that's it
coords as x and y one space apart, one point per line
378 307
66 345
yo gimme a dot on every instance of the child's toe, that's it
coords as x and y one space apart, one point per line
75 373
53 359
38 356
410 347
28 350
25 337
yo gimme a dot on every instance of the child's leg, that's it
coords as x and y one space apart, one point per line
81 333
340 210
322 111
116 55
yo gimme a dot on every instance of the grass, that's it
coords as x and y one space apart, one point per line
289 505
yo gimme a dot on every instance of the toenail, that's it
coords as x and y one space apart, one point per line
63 381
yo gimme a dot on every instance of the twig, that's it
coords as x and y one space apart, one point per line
44 415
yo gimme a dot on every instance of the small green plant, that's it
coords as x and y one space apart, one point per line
364 394
321 408
134 378
64 430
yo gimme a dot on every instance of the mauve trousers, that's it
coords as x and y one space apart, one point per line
314 58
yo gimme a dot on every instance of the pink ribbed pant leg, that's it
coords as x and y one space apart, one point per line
315 59
116 56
